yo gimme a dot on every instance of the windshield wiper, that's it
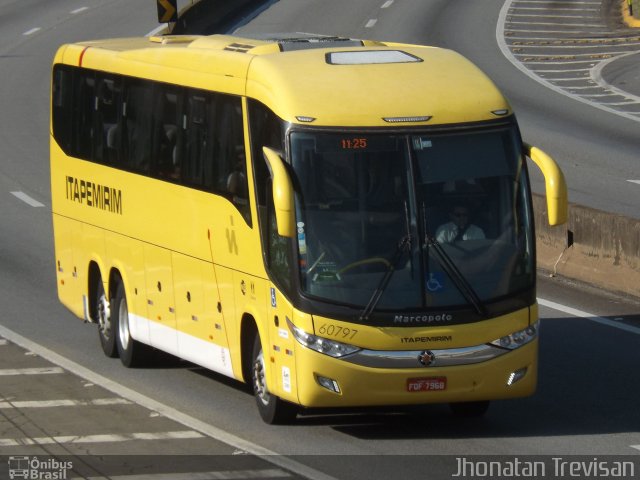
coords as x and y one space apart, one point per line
404 245
452 270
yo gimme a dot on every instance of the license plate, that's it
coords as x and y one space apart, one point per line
427 384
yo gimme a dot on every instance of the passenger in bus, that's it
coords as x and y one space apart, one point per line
237 179
168 165
459 228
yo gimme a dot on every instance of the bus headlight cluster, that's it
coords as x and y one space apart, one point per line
321 345
518 339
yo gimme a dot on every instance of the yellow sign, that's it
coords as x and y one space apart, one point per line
167 11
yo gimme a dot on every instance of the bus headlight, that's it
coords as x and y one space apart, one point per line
321 345
518 339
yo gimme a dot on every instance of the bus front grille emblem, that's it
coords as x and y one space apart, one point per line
426 358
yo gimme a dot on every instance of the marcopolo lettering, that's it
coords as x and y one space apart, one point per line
444 317
94 195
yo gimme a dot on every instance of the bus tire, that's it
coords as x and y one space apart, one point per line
272 409
470 409
106 332
132 353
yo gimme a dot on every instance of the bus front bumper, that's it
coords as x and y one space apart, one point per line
325 381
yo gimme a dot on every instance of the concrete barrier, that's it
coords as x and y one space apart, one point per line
595 247
630 10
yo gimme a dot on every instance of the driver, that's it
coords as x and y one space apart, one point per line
459 227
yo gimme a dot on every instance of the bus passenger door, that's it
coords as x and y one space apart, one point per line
201 332
160 300
227 308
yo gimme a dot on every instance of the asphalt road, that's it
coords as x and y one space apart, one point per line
587 398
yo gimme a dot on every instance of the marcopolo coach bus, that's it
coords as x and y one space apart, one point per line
336 222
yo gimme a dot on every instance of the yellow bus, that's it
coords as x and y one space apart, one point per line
335 222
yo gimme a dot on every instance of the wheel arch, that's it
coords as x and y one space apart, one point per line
248 331
94 277
115 277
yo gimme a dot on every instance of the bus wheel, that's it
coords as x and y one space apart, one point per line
470 409
132 353
106 332
272 409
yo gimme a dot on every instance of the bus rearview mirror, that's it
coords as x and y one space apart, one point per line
555 185
282 194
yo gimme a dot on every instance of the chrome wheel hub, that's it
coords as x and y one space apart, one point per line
259 380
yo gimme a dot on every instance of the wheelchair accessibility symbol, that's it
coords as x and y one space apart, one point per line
435 283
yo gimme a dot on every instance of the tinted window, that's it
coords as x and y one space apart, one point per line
181 135
136 126
108 108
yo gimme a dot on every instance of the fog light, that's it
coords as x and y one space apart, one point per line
517 375
328 383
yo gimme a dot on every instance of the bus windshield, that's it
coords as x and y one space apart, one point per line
426 220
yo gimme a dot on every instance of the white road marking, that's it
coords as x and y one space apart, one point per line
563 62
169 412
634 181
569 46
387 4
555 24
216 475
546 70
32 31
27 199
30 371
515 33
588 316
602 95
371 23
102 438
596 76
590 55
637 447
64 403
501 31
536 15
557 9
586 87
78 10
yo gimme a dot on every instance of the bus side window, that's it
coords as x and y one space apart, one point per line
198 142
107 117
62 107
167 131
230 162
266 131
135 128
84 102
